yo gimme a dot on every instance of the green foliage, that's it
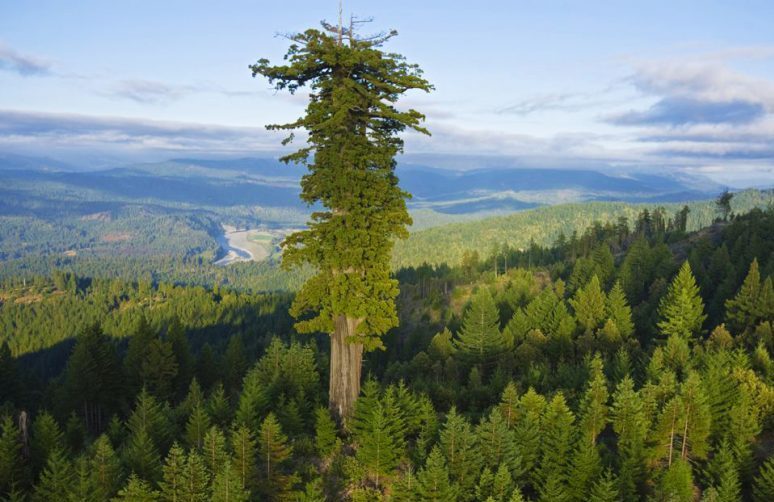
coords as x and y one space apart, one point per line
480 341
763 489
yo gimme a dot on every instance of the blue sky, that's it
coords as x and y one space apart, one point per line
686 86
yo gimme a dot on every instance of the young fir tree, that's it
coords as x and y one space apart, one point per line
460 447
558 434
630 424
173 480
432 483
676 483
10 455
604 490
273 453
214 451
763 486
742 311
352 124
379 447
480 341
725 474
137 490
586 460
589 305
325 439
57 479
682 309
105 469
195 479
618 310
244 451
498 445
227 486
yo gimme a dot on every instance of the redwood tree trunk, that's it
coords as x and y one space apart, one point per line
346 362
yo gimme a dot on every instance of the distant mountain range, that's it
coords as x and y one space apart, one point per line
265 182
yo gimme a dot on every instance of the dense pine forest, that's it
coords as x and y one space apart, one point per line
627 363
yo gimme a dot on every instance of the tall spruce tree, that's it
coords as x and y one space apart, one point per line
352 125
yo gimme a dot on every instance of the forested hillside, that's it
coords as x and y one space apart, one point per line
151 244
623 364
544 226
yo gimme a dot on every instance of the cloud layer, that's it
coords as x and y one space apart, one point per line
22 64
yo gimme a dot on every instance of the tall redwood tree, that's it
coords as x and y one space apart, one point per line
352 125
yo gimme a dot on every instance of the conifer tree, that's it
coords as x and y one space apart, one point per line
604 489
273 454
528 431
93 378
141 456
742 311
558 434
353 126
480 341
432 482
83 486
137 490
196 427
214 451
617 309
676 483
218 407
227 486
159 369
460 448
182 351
630 425
379 448
195 479
498 445
763 486
589 305
682 310
509 403
173 480
137 352
325 438
252 401
152 417
10 455
45 437
105 469
726 475
56 480
696 419
244 452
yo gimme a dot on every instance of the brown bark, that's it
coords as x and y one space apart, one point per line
346 364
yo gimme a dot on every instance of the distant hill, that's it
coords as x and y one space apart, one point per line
448 243
265 182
